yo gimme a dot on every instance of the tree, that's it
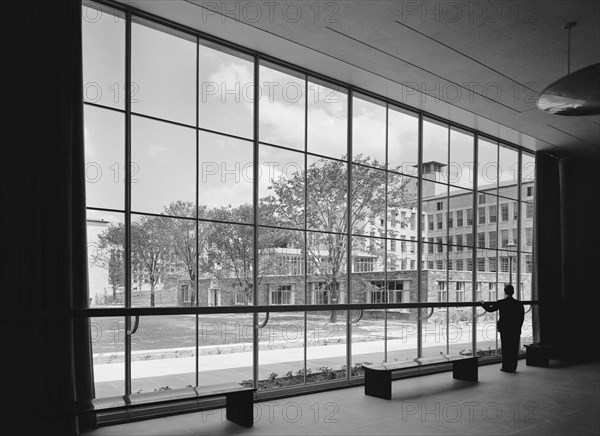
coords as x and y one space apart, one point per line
327 211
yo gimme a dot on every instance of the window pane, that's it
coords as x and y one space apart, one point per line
368 340
488 166
281 266
508 172
326 340
103 33
461 166
225 349
435 150
326 264
368 131
226 176
106 258
163 353
368 277
283 328
368 201
227 265
226 91
327 186
282 107
403 140
281 187
527 224
401 205
163 165
163 74
104 158
107 337
527 168
327 120
164 260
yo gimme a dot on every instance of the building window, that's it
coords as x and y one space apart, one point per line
469 238
481 264
529 191
413 217
450 220
493 213
402 245
321 293
214 297
412 244
481 212
469 264
442 292
282 295
439 264
413 264
481 239
493 239
440 220
529 210
529 236
440 205
504 264
241 297
503 238
459 218
504 212
440 245
430 222
481 198
528 263
460 292
459 265
364 264
430 264
493 262
469 217
515 210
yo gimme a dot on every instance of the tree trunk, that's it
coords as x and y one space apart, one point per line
152 296
334 300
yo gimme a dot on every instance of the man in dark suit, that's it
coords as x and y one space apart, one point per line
512 314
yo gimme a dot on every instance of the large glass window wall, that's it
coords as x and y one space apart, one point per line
219 181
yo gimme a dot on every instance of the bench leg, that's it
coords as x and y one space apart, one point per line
378 384
466 370
240 408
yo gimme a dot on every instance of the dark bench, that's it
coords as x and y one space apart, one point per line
540 355
239 400
378 377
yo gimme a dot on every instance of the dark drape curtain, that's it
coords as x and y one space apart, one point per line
46 357
568 253
580 187
548 243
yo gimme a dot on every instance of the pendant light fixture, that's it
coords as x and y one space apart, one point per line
575 94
